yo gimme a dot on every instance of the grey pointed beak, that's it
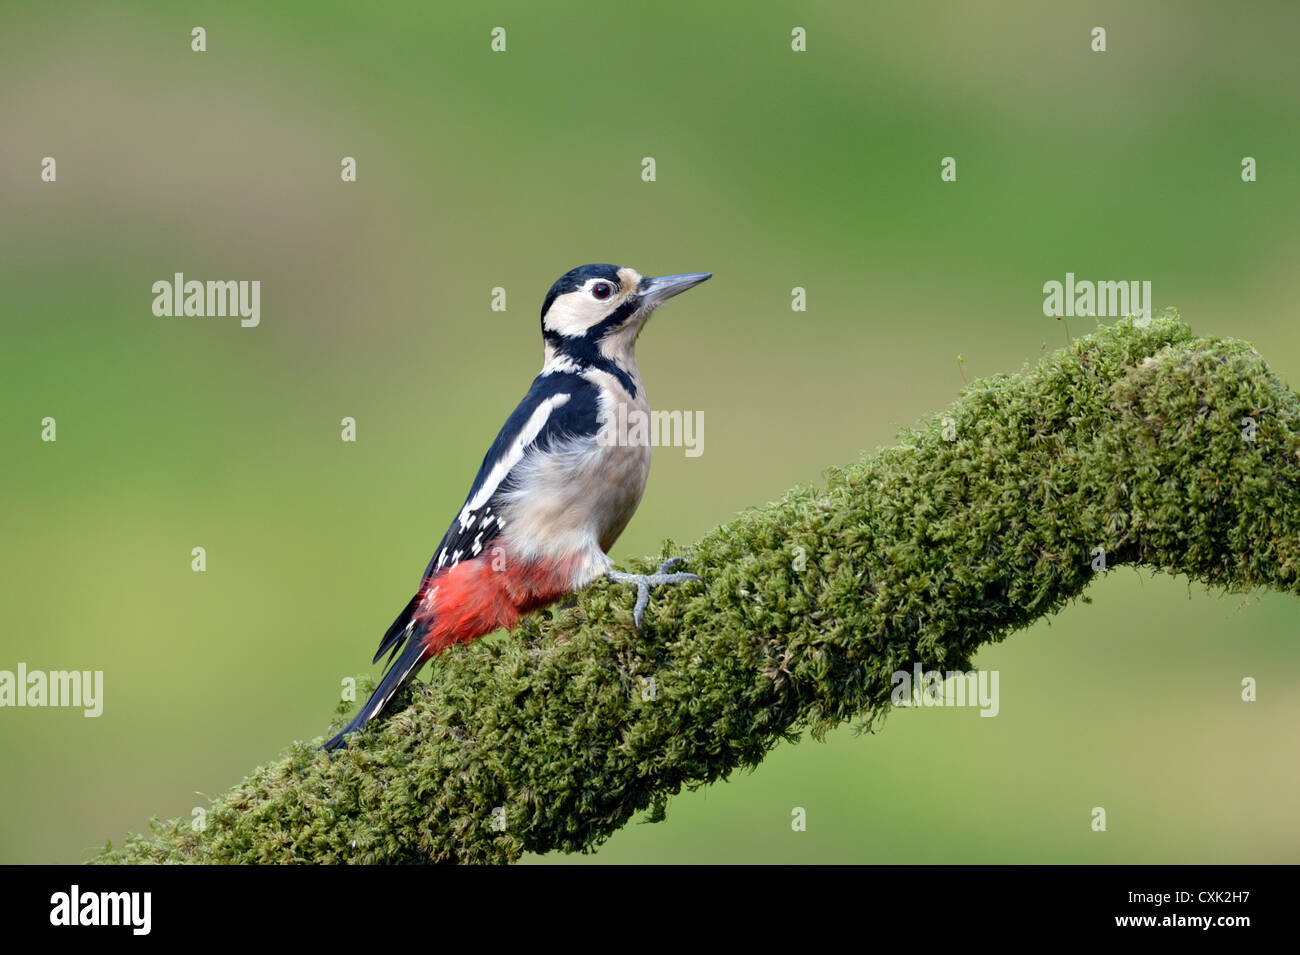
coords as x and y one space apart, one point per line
656 291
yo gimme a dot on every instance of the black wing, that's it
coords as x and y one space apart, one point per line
477 524
558 406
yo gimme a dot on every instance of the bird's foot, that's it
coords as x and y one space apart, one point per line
644 583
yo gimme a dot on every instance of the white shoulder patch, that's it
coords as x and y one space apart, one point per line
536 422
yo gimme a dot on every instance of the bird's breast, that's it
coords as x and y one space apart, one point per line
623 453
579 494
627 468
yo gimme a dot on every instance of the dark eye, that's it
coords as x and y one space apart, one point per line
602 290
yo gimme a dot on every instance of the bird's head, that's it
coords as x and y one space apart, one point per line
598 310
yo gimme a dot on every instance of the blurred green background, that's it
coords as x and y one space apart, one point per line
775 169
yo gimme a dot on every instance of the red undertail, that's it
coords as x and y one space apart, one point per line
477 596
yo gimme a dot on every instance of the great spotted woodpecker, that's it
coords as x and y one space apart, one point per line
553 493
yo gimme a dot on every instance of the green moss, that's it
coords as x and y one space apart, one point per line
1130 440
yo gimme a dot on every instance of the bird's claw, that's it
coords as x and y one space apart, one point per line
644 583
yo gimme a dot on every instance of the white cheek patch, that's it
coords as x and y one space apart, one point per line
573 313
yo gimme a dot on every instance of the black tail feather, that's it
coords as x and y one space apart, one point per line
399 674
395 634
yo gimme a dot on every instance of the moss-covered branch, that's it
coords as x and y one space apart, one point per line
979 522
